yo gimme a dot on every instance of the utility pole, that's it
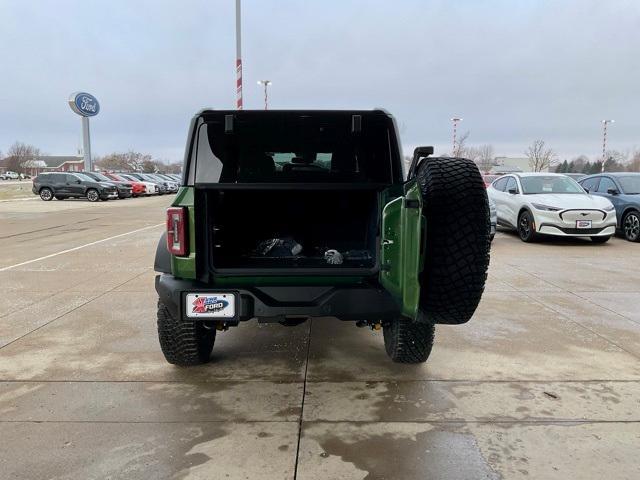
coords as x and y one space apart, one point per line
238 57
266 84
455 121
604 141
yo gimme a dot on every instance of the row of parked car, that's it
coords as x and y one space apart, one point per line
96 186
596 206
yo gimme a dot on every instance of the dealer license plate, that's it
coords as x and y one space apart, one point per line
210 305
583 223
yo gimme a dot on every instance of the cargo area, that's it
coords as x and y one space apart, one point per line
289 227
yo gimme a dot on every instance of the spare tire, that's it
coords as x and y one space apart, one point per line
458 229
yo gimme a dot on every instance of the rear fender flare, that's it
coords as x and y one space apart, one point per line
162 262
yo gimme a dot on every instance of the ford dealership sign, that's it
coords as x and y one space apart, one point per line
84 104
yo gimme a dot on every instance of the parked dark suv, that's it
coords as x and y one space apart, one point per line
286 215
124 188
623 190
63 185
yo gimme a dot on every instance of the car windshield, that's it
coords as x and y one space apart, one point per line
630 185
101 177
552 184
84 178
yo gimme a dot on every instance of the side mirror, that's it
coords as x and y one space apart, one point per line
418 154
513 191
613 191
78 181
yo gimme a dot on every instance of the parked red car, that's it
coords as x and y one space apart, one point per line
488 179
138 188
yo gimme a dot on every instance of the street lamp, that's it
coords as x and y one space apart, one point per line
266 83
604 140
455 121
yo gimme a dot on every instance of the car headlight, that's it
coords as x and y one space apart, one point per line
610 208
546 208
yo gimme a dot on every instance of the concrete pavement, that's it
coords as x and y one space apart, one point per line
544 382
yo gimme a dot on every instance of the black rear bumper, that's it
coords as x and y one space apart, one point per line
277 303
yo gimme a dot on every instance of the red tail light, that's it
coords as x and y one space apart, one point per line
177 231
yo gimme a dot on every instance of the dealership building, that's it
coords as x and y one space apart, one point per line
49 163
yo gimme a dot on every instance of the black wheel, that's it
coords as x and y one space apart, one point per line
184 342
457 248
631 226
408 341
526 227
600 239
92 195
46 194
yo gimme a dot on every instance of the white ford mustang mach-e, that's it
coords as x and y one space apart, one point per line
551 204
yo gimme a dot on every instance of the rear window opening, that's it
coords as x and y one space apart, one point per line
282 147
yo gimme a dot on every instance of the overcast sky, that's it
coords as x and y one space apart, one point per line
514 70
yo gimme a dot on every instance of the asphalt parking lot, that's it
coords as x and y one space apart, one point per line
543 383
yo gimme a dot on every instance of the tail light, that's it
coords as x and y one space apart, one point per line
177 231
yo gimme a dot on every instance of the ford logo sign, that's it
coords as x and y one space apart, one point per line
84 104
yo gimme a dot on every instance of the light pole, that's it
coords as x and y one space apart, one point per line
604 141
266 84
238 57
455 121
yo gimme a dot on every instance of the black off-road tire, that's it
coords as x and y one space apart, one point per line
458 229
184 342
408 341
600 239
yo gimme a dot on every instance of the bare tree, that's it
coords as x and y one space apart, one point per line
485 157
21 156
149 166
634 164
540 157
472 153
130 161
459 147
175 167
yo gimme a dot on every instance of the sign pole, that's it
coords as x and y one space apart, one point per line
86 145
85 105
238 57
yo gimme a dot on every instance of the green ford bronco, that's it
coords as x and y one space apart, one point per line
286 215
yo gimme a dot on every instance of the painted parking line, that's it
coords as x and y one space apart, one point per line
4 269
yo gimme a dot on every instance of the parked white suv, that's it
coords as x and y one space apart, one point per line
9 175
551 204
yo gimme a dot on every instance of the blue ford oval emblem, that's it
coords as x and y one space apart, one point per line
84 104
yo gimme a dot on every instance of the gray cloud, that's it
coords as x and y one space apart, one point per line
515 71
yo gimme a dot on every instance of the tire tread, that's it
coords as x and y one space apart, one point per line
183 342
408 341
458 241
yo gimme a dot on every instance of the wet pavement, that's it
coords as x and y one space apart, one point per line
543 383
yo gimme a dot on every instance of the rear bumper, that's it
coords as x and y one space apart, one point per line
277 303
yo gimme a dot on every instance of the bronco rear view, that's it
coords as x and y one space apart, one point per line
286 215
